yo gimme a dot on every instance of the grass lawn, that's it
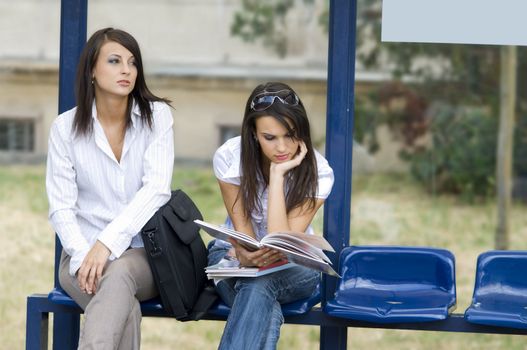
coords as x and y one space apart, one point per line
386 209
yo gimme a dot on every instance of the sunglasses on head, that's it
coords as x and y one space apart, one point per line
266 99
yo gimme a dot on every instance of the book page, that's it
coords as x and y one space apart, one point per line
314 240
300 241
300 247
307 261
224 233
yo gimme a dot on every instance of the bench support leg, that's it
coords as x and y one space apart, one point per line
333 338
65 331
36 326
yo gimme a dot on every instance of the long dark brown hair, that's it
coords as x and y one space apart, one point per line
85 91
301 181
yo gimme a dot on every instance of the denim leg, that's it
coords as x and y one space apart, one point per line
216 252
273 330
256 316
225 288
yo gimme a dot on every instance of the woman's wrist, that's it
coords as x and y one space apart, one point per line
276 177
276 171
231 252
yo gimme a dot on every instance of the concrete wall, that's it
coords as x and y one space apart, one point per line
169 31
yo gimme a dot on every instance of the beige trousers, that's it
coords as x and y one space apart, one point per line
112 316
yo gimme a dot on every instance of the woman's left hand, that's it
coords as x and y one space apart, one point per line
284 167
92 267
260 257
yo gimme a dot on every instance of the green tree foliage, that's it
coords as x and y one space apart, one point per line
265 21
462 157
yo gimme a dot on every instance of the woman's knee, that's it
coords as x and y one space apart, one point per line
258 286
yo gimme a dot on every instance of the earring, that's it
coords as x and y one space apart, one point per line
92 78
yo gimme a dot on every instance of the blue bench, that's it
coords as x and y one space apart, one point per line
60 304
500 290
358 302
153 307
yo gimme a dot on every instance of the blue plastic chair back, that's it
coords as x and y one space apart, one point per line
500 290
386 284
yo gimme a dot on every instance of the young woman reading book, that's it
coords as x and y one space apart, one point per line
271 180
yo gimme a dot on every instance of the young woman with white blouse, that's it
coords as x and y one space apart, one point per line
109 169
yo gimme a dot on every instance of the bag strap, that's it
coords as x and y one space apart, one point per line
206 299
197 255
208 295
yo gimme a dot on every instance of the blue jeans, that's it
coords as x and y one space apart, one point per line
256 316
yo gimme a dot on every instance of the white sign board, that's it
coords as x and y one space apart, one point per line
495 22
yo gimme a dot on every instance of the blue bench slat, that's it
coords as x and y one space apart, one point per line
154 307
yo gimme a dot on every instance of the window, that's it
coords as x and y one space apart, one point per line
17 135
227 132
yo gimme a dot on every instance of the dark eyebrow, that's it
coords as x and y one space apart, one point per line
116 54
287 134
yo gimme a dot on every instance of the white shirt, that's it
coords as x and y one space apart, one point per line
226 164
93 197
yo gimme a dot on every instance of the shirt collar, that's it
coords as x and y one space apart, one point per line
135 115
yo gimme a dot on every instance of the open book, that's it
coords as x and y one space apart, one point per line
299 248
231 268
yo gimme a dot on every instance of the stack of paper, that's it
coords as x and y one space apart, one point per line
231 268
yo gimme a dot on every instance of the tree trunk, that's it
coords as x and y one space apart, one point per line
505 144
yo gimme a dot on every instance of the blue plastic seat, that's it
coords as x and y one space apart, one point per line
59 296
500 290
385 284
298 307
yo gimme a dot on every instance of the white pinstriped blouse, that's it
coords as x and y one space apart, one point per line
93 197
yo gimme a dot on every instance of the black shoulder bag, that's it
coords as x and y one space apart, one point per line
178 257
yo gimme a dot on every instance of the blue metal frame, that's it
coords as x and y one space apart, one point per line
73 20
341 77
339 145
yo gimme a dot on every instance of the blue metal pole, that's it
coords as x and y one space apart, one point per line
339 145
73 18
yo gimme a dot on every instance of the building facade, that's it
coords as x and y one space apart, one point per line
190 57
